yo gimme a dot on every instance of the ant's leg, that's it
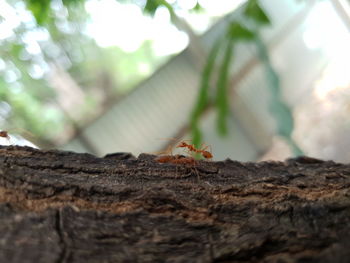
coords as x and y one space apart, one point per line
207 154
210 150
187 151
170 149
206 147
167 151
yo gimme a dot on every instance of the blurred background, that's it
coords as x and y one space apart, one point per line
253 79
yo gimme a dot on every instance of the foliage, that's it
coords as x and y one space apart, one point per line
203 96
237 31
279 110
41 8
68 43
61 41
27 55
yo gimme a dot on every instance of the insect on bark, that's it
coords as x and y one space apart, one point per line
5 135
186 160
203 151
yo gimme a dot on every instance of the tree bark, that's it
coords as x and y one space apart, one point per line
60 206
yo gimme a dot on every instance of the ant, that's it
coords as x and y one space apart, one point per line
165 158
4 134
185 160
176 159
192 148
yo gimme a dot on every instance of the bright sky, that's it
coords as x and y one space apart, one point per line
332 38
10 20
124 25
111 24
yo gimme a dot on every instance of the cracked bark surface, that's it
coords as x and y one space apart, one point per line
67 207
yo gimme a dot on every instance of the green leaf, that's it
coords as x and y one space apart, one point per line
238 32
278 108
256 13
16 49
72 2
203 96
197 8
222 103
40 10
152 5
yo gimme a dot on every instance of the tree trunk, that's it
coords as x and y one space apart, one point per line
67 207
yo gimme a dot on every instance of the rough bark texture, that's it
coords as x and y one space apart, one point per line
67 207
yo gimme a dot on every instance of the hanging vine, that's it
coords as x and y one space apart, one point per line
245 29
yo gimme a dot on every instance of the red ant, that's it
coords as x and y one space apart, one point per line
13 140
176 159
5 134
192 148
180 159
165 158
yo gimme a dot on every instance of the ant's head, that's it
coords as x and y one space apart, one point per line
3 134
207 155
